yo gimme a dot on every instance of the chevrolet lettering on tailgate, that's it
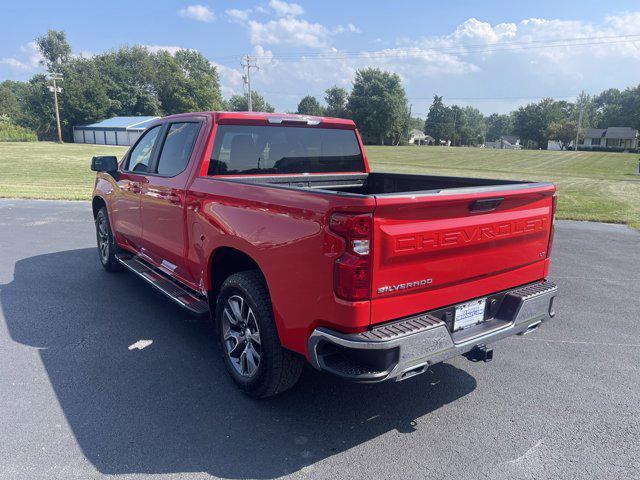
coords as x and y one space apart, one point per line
468 236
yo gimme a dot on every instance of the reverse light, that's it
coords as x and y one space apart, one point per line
361 247
352 271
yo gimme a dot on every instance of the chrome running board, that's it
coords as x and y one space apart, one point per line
186 298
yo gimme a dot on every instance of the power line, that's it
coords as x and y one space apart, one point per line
457 49
445 97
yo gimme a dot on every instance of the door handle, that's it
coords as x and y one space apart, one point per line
174 197
134 188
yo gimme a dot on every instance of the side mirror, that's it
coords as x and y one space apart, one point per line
106 163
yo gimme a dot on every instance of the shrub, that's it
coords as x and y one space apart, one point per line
10 132
600 148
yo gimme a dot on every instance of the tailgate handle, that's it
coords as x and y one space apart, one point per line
485 204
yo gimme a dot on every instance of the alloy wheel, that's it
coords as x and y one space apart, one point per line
241 336
103 239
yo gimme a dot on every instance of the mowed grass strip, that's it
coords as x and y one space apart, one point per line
592 185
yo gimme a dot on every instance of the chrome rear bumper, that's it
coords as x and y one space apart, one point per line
400 349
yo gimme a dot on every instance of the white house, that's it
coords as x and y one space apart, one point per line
418 137
612 137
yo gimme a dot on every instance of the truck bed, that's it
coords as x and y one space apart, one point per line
384 184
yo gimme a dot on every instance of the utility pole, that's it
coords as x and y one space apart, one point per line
246 64
408 121
581 97
55 89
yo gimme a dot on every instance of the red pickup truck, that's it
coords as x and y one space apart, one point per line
274 227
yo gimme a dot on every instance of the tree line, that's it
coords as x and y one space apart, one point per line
133 80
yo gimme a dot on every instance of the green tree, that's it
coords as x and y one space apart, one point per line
37 106
474 129
378 104
564 131
336 99
129 75
440 123
309 105
615 108
498 125
239 103
532 121
85 97
11 95
185 82
55 49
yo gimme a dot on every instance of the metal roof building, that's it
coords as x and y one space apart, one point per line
113 131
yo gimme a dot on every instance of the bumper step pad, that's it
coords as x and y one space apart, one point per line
187 299
389 331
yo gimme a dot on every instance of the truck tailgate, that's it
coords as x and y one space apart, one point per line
436 249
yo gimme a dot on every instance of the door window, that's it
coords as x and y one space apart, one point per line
176 151
141 153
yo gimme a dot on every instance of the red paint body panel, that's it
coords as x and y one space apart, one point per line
461 254
178 223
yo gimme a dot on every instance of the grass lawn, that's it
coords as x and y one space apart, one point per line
592 185
48 170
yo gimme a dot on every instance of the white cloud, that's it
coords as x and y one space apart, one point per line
283 8
172 49
238 15
476 60
289 31
483 32
29 61
31 51
350 28
230 79
201 13
14 63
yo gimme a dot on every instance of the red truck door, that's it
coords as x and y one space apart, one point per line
125 206
163 199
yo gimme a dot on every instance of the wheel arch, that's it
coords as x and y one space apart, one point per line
225 261
96 204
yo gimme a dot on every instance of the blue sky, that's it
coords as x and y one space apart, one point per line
470 52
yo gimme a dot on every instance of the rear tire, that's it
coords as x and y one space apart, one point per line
107 247
250 345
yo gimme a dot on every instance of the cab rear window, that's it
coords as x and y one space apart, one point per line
244 150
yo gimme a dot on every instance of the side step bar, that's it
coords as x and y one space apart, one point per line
187 299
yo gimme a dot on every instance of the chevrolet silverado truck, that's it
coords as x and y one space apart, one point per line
273 226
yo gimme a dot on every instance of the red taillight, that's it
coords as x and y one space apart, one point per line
352 271
554 207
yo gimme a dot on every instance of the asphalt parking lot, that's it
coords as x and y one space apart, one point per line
78 400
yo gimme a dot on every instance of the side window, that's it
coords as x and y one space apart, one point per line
177 148
141 154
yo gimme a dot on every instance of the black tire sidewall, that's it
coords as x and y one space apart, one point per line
112 263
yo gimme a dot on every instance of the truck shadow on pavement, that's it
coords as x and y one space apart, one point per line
169 407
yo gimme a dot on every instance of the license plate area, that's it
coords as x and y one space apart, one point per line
469 314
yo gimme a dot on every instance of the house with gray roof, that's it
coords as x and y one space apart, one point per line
505 142
418 137
612 137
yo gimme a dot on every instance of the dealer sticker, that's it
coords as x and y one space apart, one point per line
469 314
